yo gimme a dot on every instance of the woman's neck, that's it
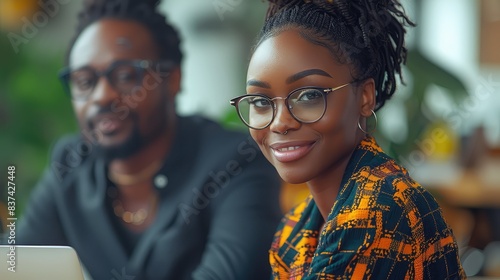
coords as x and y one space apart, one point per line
325 187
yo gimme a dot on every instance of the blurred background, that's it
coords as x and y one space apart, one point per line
443 125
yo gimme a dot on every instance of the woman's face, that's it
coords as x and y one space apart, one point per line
286 62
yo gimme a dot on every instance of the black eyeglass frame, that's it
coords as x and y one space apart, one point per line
325 91
141 65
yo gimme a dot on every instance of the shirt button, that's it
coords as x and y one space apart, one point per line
161 181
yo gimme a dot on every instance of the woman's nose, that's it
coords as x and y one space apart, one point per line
283 118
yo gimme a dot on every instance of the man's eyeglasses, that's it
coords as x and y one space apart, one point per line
306 105
124 76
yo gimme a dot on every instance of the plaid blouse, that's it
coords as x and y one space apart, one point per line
383 225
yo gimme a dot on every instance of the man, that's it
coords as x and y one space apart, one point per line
143 192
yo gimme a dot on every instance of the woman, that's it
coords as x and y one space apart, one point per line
319 70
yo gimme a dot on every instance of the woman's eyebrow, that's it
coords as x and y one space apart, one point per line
305 73
291 79
257 83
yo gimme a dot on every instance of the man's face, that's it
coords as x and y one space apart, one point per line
121 121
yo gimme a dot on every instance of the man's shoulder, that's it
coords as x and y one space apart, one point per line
69 153
71 144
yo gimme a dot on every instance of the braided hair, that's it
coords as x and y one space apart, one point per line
369 34
143 12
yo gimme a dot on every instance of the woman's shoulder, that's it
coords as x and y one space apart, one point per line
383 184
397 182
389 189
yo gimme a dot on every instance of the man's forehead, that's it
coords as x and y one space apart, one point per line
124 43
108 39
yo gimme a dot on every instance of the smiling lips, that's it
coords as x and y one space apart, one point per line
287 152
108 125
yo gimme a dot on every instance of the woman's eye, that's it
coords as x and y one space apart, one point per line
309 95
260 102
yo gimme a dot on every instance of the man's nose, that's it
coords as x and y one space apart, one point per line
104 92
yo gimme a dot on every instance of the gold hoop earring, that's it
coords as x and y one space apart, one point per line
373 129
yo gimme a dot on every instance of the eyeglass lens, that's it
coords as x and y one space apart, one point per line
123 77
306 105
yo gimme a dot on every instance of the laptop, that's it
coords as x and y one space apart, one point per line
39 262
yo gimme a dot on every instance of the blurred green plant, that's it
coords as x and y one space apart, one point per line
425 73
34 113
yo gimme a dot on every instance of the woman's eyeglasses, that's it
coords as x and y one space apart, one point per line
124 76
306 105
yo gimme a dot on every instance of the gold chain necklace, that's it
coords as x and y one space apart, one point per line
134 217
139 216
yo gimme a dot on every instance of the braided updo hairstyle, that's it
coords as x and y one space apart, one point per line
368 34
143 12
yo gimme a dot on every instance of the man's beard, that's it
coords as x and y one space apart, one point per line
135 141
127 147
131 145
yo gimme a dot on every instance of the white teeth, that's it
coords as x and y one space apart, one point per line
286 149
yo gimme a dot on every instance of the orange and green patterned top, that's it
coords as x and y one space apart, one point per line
383 225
